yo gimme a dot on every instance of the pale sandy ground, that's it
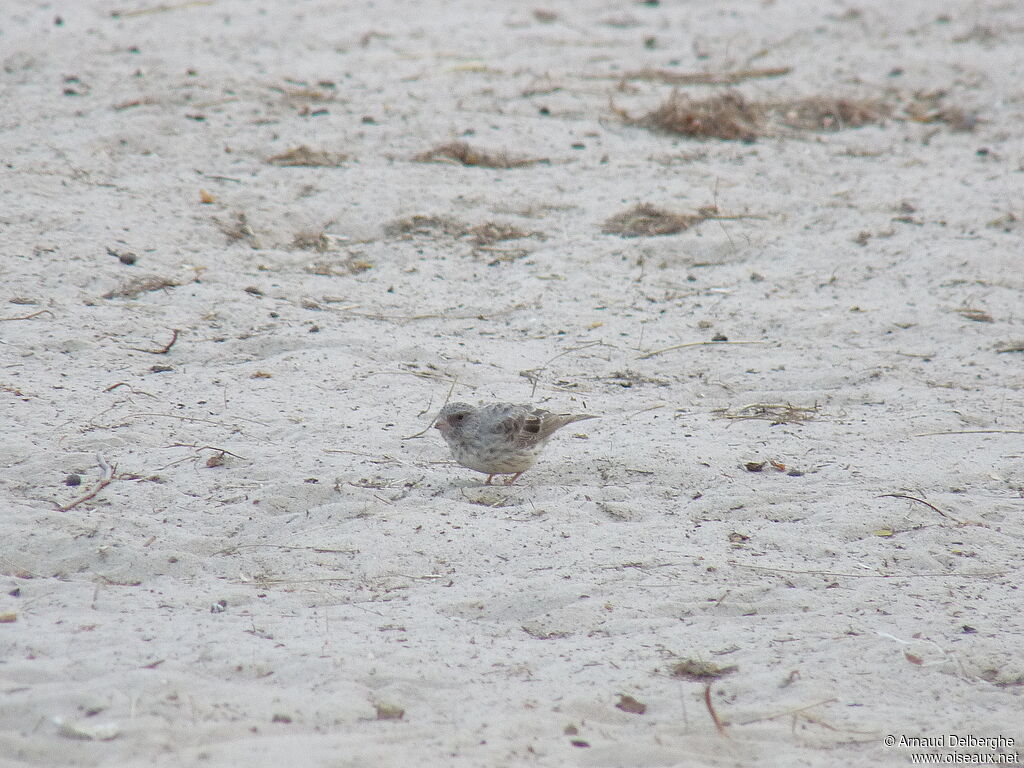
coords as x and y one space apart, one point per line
274 608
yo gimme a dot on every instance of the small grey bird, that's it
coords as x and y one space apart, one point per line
499 438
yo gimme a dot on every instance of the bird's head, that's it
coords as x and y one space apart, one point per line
452 418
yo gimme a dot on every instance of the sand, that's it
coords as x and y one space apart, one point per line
242 269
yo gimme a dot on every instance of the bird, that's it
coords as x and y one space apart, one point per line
499 438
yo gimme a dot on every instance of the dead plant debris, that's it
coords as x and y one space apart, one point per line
301 93
700 671
496 256
353 265
139 285
492 232
389 712
311 240
731 117
646 220
977 315
725 116
165 348
482 235
628 704
419 225
629 378
776 413
719 725
929 107
1011 346
107 476
1007 222
668 77
306 157
829 114
239 229
29 316
538 631
461 152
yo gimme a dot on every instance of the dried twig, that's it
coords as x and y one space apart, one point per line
694 344
797 711
923 574
442 315
268 581
446 399
644 410
206 448
533 374
711 711
194 419
131 389
25 317
669 77
105 479
164 349
973 432
163 7
319 550
1010 346
919 501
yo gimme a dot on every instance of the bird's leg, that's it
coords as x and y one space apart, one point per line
488 480
513 478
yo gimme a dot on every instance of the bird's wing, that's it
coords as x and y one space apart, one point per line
522 425
526 427
519 425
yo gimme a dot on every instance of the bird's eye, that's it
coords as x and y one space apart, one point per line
457 416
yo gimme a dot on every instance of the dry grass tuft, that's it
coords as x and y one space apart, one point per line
645 220
776 413
461 152
239 229
730 117
727 116
975 314
139 285
1008 222
492 232
697 670
828 114
482 235
306 157
421 225
353 265
311 240
928 107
